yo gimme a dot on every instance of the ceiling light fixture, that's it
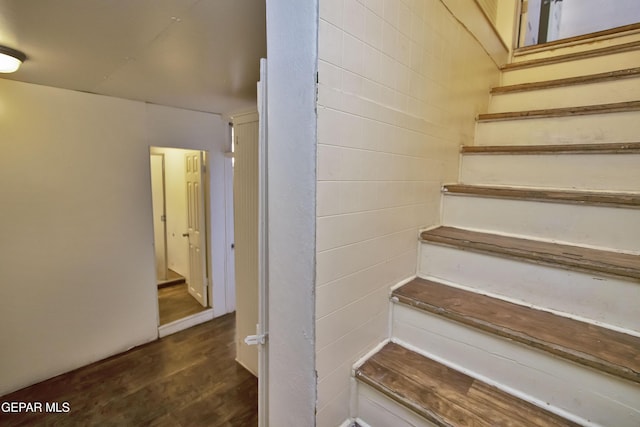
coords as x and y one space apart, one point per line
10 59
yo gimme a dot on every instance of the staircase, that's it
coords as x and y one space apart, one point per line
526 308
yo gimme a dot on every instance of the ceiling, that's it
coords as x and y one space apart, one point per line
195 54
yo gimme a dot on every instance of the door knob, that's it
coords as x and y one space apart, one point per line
185 234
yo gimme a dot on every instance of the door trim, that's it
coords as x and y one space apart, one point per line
185 323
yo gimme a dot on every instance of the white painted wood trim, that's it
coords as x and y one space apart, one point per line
362 423
241 118
263 250
185 323
364 358
579 129
255 374
401 283
482 30
592 172
380 410
612 228
534 285
534 306
353 397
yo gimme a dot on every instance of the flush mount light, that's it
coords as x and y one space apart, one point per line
10 59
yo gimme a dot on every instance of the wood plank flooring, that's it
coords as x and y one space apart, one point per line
189 378
176 303
590 345
447 397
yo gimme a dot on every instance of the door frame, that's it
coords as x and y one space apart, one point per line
263 250
207 314
164 213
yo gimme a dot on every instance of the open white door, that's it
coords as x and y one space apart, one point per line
196 226
263 253
250 221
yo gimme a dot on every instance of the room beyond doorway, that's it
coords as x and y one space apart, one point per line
180 232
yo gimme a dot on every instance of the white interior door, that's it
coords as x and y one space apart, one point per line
159 215
196 226
263 251
245 201
251 243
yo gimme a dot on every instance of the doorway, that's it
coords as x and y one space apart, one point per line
545 21
180 203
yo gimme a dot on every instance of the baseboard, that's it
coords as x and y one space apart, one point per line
360 423
255 374
185 323
354 423
171 282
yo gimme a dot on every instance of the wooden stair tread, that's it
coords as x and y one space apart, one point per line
606 148
628 200
600 348
608 50
585 38
562 112
592 78
445 396
569 257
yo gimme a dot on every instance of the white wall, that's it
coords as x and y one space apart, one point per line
400 84
507 21
292 27
77 277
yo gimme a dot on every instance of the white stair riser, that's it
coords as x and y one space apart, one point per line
375 409
605 227
578 47
560 70
622 90
583 129
565 386
610 172
609 301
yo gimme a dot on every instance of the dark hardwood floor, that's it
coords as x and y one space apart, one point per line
189 378
175 303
